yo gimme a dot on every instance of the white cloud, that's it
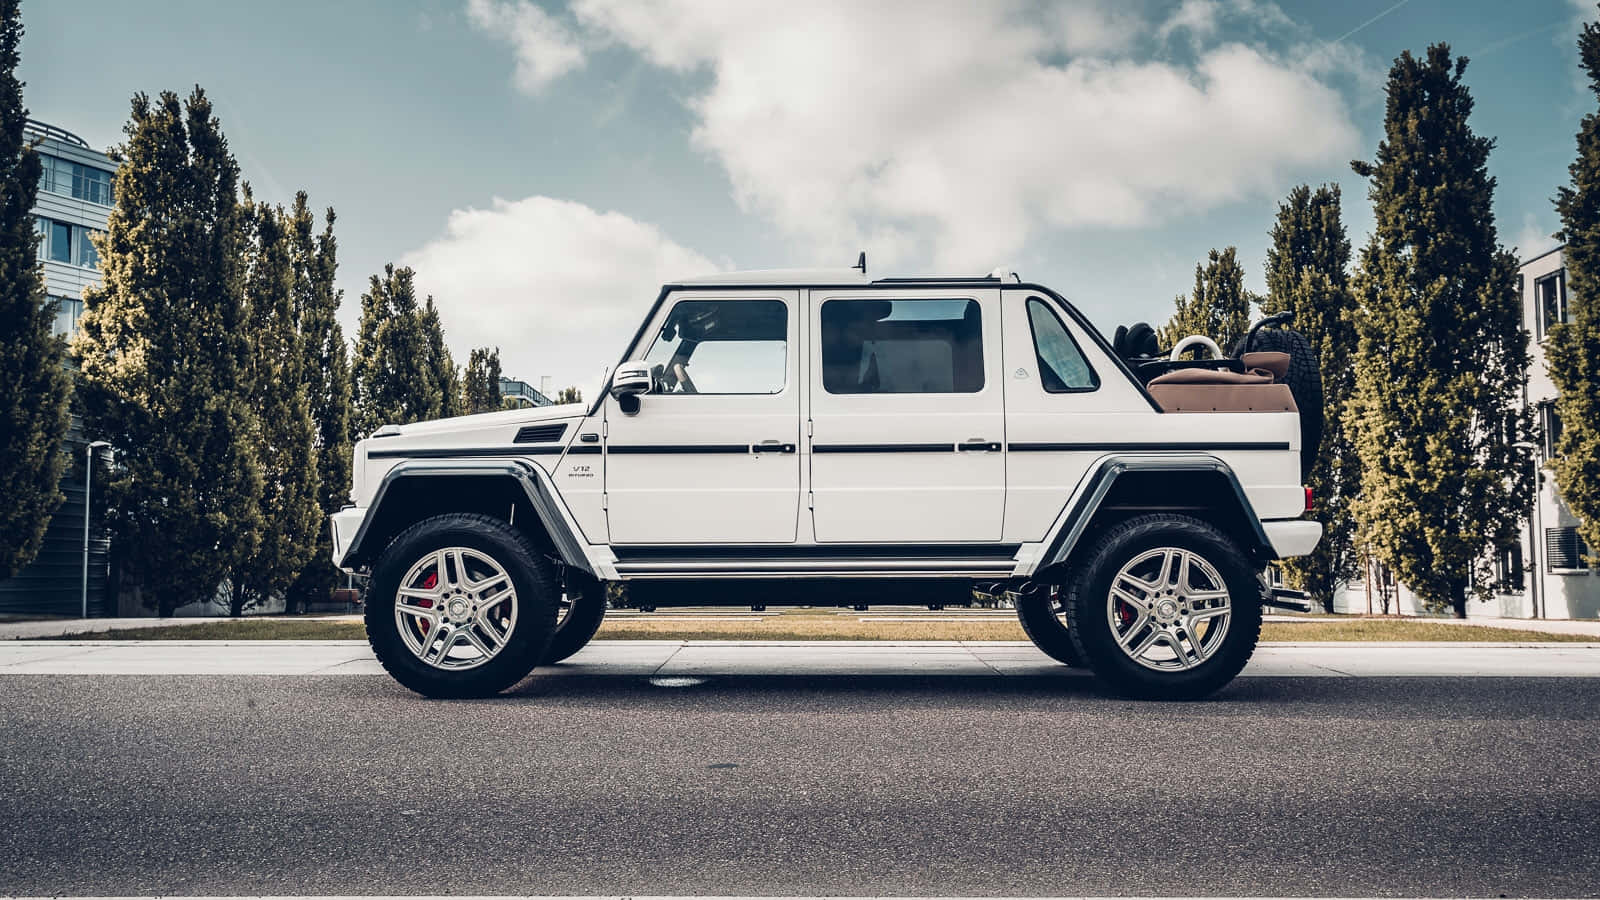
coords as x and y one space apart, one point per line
1198 17
545 48
955 130
1534 237
557 286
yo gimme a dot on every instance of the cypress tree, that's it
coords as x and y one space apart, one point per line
1219 306
274 378
1573 349
392 373
441 367
327 378
163 353
33 405
569 394
1306 275
1442 357
480 387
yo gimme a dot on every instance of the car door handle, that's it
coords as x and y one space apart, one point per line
772 447
978 444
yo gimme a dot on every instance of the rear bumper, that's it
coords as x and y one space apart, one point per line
1292 537
344 524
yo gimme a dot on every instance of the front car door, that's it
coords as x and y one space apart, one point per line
907 416
710 455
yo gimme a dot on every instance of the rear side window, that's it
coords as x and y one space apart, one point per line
1062 368
931 346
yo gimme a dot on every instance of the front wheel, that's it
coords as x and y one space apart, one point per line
1164 607
461 605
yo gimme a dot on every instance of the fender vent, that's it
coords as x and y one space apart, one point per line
541 434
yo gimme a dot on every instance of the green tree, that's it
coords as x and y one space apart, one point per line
33 404
1219 306
1573 349
441 368
163 352
480 386
1442 357
392 373
1306 275
274 378
569 394
327 379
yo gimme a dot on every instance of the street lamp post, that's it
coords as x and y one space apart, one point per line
88 484
1534 579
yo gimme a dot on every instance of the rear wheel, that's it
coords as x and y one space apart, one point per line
580 611
1164 607
1043 615
461 605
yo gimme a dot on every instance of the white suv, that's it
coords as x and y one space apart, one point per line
820 437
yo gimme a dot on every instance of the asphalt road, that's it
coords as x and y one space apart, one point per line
591 784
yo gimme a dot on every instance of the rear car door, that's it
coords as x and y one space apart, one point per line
906 415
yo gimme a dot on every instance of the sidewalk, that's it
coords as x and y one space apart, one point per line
692 660
49 628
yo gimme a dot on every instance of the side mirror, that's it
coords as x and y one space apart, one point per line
629 381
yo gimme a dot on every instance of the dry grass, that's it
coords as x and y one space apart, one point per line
826 625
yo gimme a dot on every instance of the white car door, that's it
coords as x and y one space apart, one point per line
907 415
711 456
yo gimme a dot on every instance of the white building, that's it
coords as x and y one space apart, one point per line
74 199
1544 575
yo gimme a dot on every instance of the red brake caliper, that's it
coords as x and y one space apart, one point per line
428 584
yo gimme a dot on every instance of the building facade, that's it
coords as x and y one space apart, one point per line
1544 576
75 198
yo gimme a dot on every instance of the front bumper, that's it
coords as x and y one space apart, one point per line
344 524
1292 537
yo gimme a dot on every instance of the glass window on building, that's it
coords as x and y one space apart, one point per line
1549 428
70 179
41 228
87 255
1550 293
60 242
67 312
1509 572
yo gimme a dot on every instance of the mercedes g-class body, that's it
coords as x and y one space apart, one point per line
823 438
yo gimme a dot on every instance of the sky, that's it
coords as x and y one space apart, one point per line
545 166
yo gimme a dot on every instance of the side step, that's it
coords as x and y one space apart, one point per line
1285 598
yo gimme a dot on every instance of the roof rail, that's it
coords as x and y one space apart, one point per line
57 134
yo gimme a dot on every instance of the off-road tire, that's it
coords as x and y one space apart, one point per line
1088 586
1304 381
577 629
533 576
1036 612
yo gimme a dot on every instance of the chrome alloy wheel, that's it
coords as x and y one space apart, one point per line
456 608
1169 609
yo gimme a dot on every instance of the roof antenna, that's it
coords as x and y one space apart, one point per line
861 262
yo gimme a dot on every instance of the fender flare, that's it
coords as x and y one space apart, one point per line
1094 487
531 479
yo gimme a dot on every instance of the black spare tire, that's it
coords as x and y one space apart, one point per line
1304 381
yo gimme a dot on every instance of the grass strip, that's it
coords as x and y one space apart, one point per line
832 627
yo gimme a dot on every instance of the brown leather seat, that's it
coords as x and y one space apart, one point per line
1214 390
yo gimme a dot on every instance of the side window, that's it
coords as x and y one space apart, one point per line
721 347
1062 368
932 346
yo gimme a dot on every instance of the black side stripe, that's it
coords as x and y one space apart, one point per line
884 448
461 452
679 448
1047 446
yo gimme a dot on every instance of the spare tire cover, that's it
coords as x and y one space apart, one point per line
1305 383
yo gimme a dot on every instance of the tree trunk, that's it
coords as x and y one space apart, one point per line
1458 599
236 599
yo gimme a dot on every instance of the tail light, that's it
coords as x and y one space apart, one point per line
1311 502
